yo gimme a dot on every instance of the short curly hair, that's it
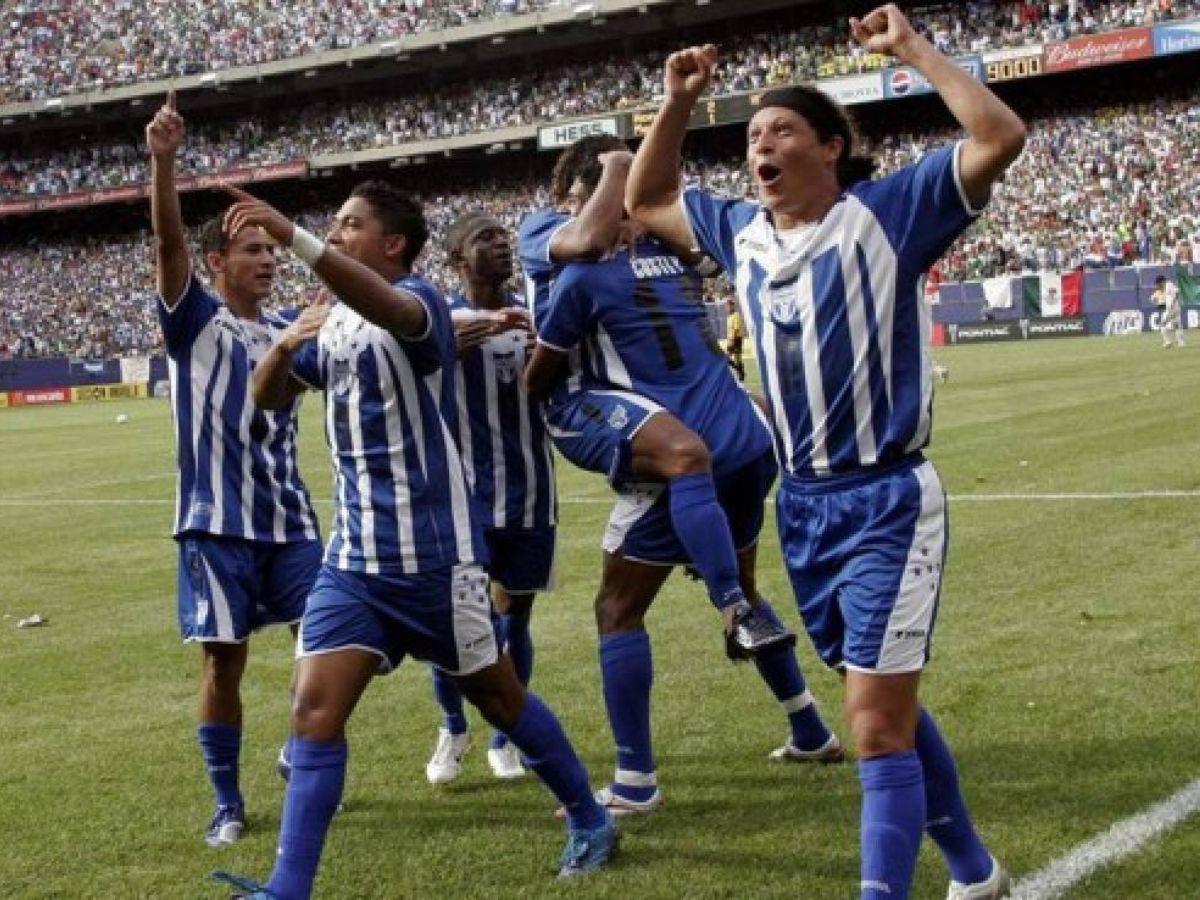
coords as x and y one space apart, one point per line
581 162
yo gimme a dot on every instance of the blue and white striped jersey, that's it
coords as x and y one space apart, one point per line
536 232
402 503
237 463
836 311
638 322
501 432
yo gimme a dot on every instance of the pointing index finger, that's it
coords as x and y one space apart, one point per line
238 194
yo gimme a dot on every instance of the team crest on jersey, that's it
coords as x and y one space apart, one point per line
782 301
341 376
507 369
618 418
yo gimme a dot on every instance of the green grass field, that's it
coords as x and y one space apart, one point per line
1066 672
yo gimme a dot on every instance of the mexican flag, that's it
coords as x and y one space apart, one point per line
1052 294
1189 287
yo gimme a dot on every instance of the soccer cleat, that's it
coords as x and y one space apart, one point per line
748 632
623 806
830 752
588 849
505 762
283 765
997 885
226 826
446 763
248 888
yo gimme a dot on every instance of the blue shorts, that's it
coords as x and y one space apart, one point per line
229 587
594 429
522 559
864 553
640 527
444 617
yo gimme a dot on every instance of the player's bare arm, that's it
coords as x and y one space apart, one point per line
544 371
597 227
363 290
164 136
996 135
273 385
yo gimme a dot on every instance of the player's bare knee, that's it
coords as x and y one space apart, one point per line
686 454
496 692
314 720
616 613
879 732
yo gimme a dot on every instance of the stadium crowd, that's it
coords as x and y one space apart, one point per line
1093 189
52 49
616 82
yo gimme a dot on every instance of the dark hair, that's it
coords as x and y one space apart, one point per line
1161 279
829 120
398 212
581 162
463 227
213 239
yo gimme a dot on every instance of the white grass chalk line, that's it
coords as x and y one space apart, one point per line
1123 839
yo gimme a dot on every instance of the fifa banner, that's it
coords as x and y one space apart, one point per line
99 392
1031 329
1052 294
41 397
1105 49
1183 37
135 370
245 175
905 81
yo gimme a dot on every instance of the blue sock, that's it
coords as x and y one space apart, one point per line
518 644
450 699
703 529
222 746
313 794
780 669
893 816
627 670
540 737
948 822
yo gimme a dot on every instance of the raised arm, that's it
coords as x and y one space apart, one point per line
273 385
652 191
360 288
597 228
995 134
164 135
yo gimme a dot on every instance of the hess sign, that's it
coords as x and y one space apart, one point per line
555 137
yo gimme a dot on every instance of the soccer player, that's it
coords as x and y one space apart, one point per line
1166 298
402 571
828 267
618 432
636 321
501 433
248 544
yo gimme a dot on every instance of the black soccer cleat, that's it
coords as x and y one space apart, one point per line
749 633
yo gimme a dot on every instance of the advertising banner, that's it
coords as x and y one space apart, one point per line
983 332
98 392
3 399
555 137
906 81
42 397
1036 329
1099 50
1183 37
135 370
854 88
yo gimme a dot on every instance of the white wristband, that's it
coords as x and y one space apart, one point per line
307 245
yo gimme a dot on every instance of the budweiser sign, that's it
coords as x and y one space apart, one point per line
1099 50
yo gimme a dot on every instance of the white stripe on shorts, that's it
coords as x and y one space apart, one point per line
471 610
220 603
633 502
908 628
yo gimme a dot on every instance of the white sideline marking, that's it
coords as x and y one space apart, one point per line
1123 839
28 500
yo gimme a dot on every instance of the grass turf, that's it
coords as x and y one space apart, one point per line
1066 672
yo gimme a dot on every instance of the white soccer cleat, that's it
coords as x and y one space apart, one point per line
830 752
505 762
622 806
997 885
446 763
